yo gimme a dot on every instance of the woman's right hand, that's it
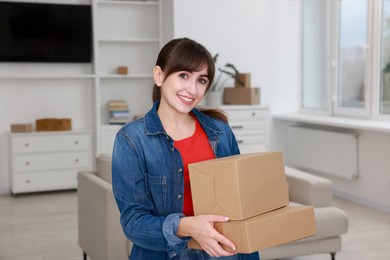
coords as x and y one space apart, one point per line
201 228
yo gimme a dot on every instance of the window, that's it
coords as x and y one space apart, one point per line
315 56
340 58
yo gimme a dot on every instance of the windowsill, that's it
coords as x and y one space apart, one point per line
350 123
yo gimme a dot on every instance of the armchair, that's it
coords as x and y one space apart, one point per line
101 236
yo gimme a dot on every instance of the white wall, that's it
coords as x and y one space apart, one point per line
260 37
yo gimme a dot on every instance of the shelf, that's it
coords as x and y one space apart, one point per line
117 76
127 2
350 123
17 77
128 40
107 127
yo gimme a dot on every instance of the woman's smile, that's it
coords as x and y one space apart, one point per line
186 100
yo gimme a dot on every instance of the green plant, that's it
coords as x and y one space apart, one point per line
229 70
387 68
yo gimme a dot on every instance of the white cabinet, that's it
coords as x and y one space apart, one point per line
126 33
43 161
249 124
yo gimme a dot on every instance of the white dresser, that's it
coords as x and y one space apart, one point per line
42 161
249 124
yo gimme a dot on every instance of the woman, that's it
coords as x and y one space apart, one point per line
151 157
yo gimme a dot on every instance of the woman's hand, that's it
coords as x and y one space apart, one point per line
201 228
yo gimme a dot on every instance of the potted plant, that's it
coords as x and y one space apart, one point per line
215 93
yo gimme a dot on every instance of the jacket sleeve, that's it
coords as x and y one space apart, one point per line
135 204
231 138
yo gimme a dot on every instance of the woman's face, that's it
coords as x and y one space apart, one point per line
183 90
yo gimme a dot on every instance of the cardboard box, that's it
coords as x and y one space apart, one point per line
52 124
21 128
267 230
243 80
239 186
123 70
241 96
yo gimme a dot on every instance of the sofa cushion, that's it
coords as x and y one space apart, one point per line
104 167
330 221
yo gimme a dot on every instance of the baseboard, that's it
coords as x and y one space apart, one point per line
362 201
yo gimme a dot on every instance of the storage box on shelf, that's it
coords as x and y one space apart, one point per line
48 160
249 124
127 34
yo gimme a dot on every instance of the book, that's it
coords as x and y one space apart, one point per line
119 112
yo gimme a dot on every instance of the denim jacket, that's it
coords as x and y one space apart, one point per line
148 183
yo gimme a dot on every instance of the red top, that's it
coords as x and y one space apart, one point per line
193 149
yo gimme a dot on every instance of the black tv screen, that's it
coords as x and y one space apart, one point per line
43 32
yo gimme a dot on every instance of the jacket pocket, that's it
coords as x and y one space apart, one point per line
158 191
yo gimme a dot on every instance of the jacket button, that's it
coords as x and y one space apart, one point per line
180 170
179 197
173 149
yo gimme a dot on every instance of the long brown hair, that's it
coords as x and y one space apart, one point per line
188 55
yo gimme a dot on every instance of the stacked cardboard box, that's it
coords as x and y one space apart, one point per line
252 191
242 93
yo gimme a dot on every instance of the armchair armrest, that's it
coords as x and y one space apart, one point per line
308 189
100 233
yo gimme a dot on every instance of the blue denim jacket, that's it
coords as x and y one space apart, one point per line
147 180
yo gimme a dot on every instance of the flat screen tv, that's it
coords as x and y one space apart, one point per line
45 32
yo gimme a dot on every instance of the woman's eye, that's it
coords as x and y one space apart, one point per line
203 81
183 76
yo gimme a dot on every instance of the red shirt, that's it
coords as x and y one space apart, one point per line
193 149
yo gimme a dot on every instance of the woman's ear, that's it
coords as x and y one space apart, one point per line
158 75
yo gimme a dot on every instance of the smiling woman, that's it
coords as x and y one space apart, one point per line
150 160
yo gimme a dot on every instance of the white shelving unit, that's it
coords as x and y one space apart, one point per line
127 33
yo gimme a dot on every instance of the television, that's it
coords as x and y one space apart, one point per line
45 32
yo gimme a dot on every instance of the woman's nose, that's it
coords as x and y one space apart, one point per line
192 88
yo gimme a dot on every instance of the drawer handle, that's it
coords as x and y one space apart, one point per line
27 181
26 145
240 141
253 113
77 160
76 142
27 163
237 126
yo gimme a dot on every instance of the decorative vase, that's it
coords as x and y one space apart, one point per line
214 98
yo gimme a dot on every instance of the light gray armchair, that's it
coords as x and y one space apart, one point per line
100 233
332 222
101 236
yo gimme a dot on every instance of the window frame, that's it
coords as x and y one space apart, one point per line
373 70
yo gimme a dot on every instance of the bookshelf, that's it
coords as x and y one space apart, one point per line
127 33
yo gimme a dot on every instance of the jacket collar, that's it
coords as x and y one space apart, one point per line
154 126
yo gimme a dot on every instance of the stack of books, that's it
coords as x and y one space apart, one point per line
119 112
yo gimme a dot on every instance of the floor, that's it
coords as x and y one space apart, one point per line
43 226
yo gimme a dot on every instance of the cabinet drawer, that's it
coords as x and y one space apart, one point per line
258 125
235 115
27 182
27 144
250 140
50 161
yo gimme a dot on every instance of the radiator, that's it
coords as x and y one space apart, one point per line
327 152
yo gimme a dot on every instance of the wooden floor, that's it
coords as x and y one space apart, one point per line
44 227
